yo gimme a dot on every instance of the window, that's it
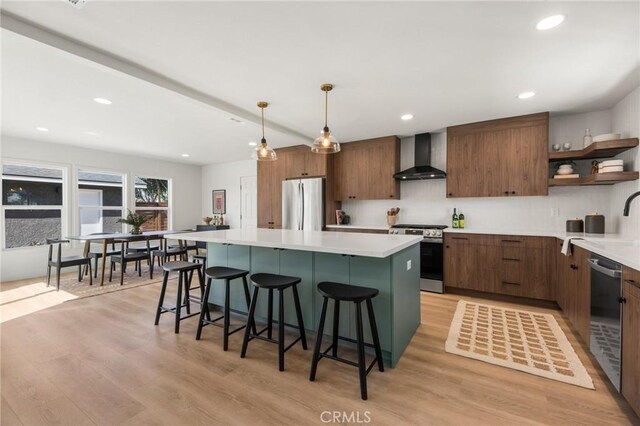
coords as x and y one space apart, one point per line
100 201
152 200
32 204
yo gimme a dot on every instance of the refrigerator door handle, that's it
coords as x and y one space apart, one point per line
300 201
302 204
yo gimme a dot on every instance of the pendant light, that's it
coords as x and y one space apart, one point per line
264 152
325 143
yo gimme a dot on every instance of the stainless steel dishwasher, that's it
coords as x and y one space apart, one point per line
606 310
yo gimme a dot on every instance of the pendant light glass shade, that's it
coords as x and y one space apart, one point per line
325 143
264 152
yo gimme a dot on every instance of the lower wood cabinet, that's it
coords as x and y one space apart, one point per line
574 289
509 265
630 386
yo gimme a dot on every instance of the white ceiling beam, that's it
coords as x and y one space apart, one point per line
33 31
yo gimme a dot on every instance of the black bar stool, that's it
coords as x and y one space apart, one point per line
185 274
200 258
226 274
348 293
280 283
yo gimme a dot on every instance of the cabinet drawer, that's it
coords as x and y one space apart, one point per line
512 254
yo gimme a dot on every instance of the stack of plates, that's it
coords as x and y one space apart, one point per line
610 166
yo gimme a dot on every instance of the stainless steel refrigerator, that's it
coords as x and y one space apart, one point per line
303 204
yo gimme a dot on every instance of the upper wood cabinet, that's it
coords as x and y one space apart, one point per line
364 170
498 158
301 162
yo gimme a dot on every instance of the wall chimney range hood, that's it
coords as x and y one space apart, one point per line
422 169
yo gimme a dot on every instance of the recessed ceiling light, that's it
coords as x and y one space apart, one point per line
91 133
102 101
406 117
253 143
185 155
526 95
42 129
550 22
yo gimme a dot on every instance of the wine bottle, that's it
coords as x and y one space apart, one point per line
461 220
454 221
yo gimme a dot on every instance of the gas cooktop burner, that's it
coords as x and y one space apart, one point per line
402 226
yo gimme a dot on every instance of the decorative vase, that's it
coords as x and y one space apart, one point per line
136 230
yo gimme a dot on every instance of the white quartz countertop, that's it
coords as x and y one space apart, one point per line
371 245
623 249
373 227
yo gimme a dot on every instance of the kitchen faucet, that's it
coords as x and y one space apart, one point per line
627 204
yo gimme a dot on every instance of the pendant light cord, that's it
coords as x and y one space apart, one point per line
326 107
262 114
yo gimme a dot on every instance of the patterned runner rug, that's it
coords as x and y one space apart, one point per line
522 340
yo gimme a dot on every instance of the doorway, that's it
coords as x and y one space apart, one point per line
248 202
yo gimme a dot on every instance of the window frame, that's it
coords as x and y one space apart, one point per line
64 207
77 182
168 209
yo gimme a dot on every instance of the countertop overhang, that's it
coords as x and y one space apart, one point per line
371 245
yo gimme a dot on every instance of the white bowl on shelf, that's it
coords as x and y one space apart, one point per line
565 171
606 137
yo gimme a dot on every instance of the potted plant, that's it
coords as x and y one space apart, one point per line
135 221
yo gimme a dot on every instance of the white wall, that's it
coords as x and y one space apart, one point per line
625 119
426 202
225 176
185 203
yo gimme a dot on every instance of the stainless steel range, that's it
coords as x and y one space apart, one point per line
431 254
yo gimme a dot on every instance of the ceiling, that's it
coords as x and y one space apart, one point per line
445 63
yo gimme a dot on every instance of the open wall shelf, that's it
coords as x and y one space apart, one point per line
604 149
596 179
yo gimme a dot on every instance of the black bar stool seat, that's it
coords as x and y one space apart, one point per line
339 292
185 275
345 292
226 274
273 281
280 283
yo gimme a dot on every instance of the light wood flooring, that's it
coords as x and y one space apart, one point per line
100 360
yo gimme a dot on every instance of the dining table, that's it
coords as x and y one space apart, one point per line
107 239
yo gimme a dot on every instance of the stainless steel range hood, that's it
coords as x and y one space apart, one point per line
422 168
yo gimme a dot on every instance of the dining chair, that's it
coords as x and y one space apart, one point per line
178 252
65 262
125 256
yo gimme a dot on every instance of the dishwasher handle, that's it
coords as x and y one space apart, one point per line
613 273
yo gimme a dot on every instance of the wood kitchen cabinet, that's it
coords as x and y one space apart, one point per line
574 289
364 170
269 199
630 376
500 264
300 162
499 158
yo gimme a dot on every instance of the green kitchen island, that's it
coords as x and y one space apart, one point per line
389 263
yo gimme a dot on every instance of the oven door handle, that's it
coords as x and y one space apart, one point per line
613 273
